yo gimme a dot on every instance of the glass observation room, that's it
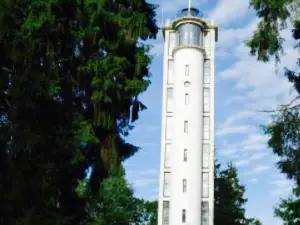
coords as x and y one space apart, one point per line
189 33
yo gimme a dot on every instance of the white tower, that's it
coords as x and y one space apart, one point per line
187 140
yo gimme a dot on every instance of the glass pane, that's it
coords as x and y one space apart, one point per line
170 72
170 93
204 213
166 209
205 189
187 70
189 34
169 126
185 155
183 215
185 126
184 185
205 156
186 99
170 99
205 127
167 177
206 99
168 155
206 76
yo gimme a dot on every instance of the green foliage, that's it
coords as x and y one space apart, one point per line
284 130
266 40
71 73
117 205
229 198
289 209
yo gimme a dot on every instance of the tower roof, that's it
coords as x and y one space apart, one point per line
189 12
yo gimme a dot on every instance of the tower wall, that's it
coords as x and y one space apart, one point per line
187 136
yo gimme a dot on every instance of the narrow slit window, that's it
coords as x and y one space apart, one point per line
184 185
185 155
186 99
187 70
183 215
186 127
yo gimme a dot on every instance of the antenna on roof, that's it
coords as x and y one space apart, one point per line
190 4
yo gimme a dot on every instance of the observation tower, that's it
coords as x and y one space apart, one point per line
186 195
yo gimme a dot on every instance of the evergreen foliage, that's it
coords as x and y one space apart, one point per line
71 72
229 198
117 205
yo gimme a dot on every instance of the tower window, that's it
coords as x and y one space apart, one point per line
167 155
187 70
186 99
184 185
204 213
185 126
167 177
206 128
206 76
205 156
205 189
170 93
206 100
169 126
170 99
183 215
186 84
166 208
185 155
170 71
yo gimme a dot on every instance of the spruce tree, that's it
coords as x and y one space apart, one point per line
70 76
229 198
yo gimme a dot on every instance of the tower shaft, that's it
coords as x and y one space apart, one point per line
187 137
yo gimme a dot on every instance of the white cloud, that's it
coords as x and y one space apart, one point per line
225 12
259 169
281 187
244 114
233 130
248 160
253 142
230 37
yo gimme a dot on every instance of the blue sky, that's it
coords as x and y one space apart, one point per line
243 86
